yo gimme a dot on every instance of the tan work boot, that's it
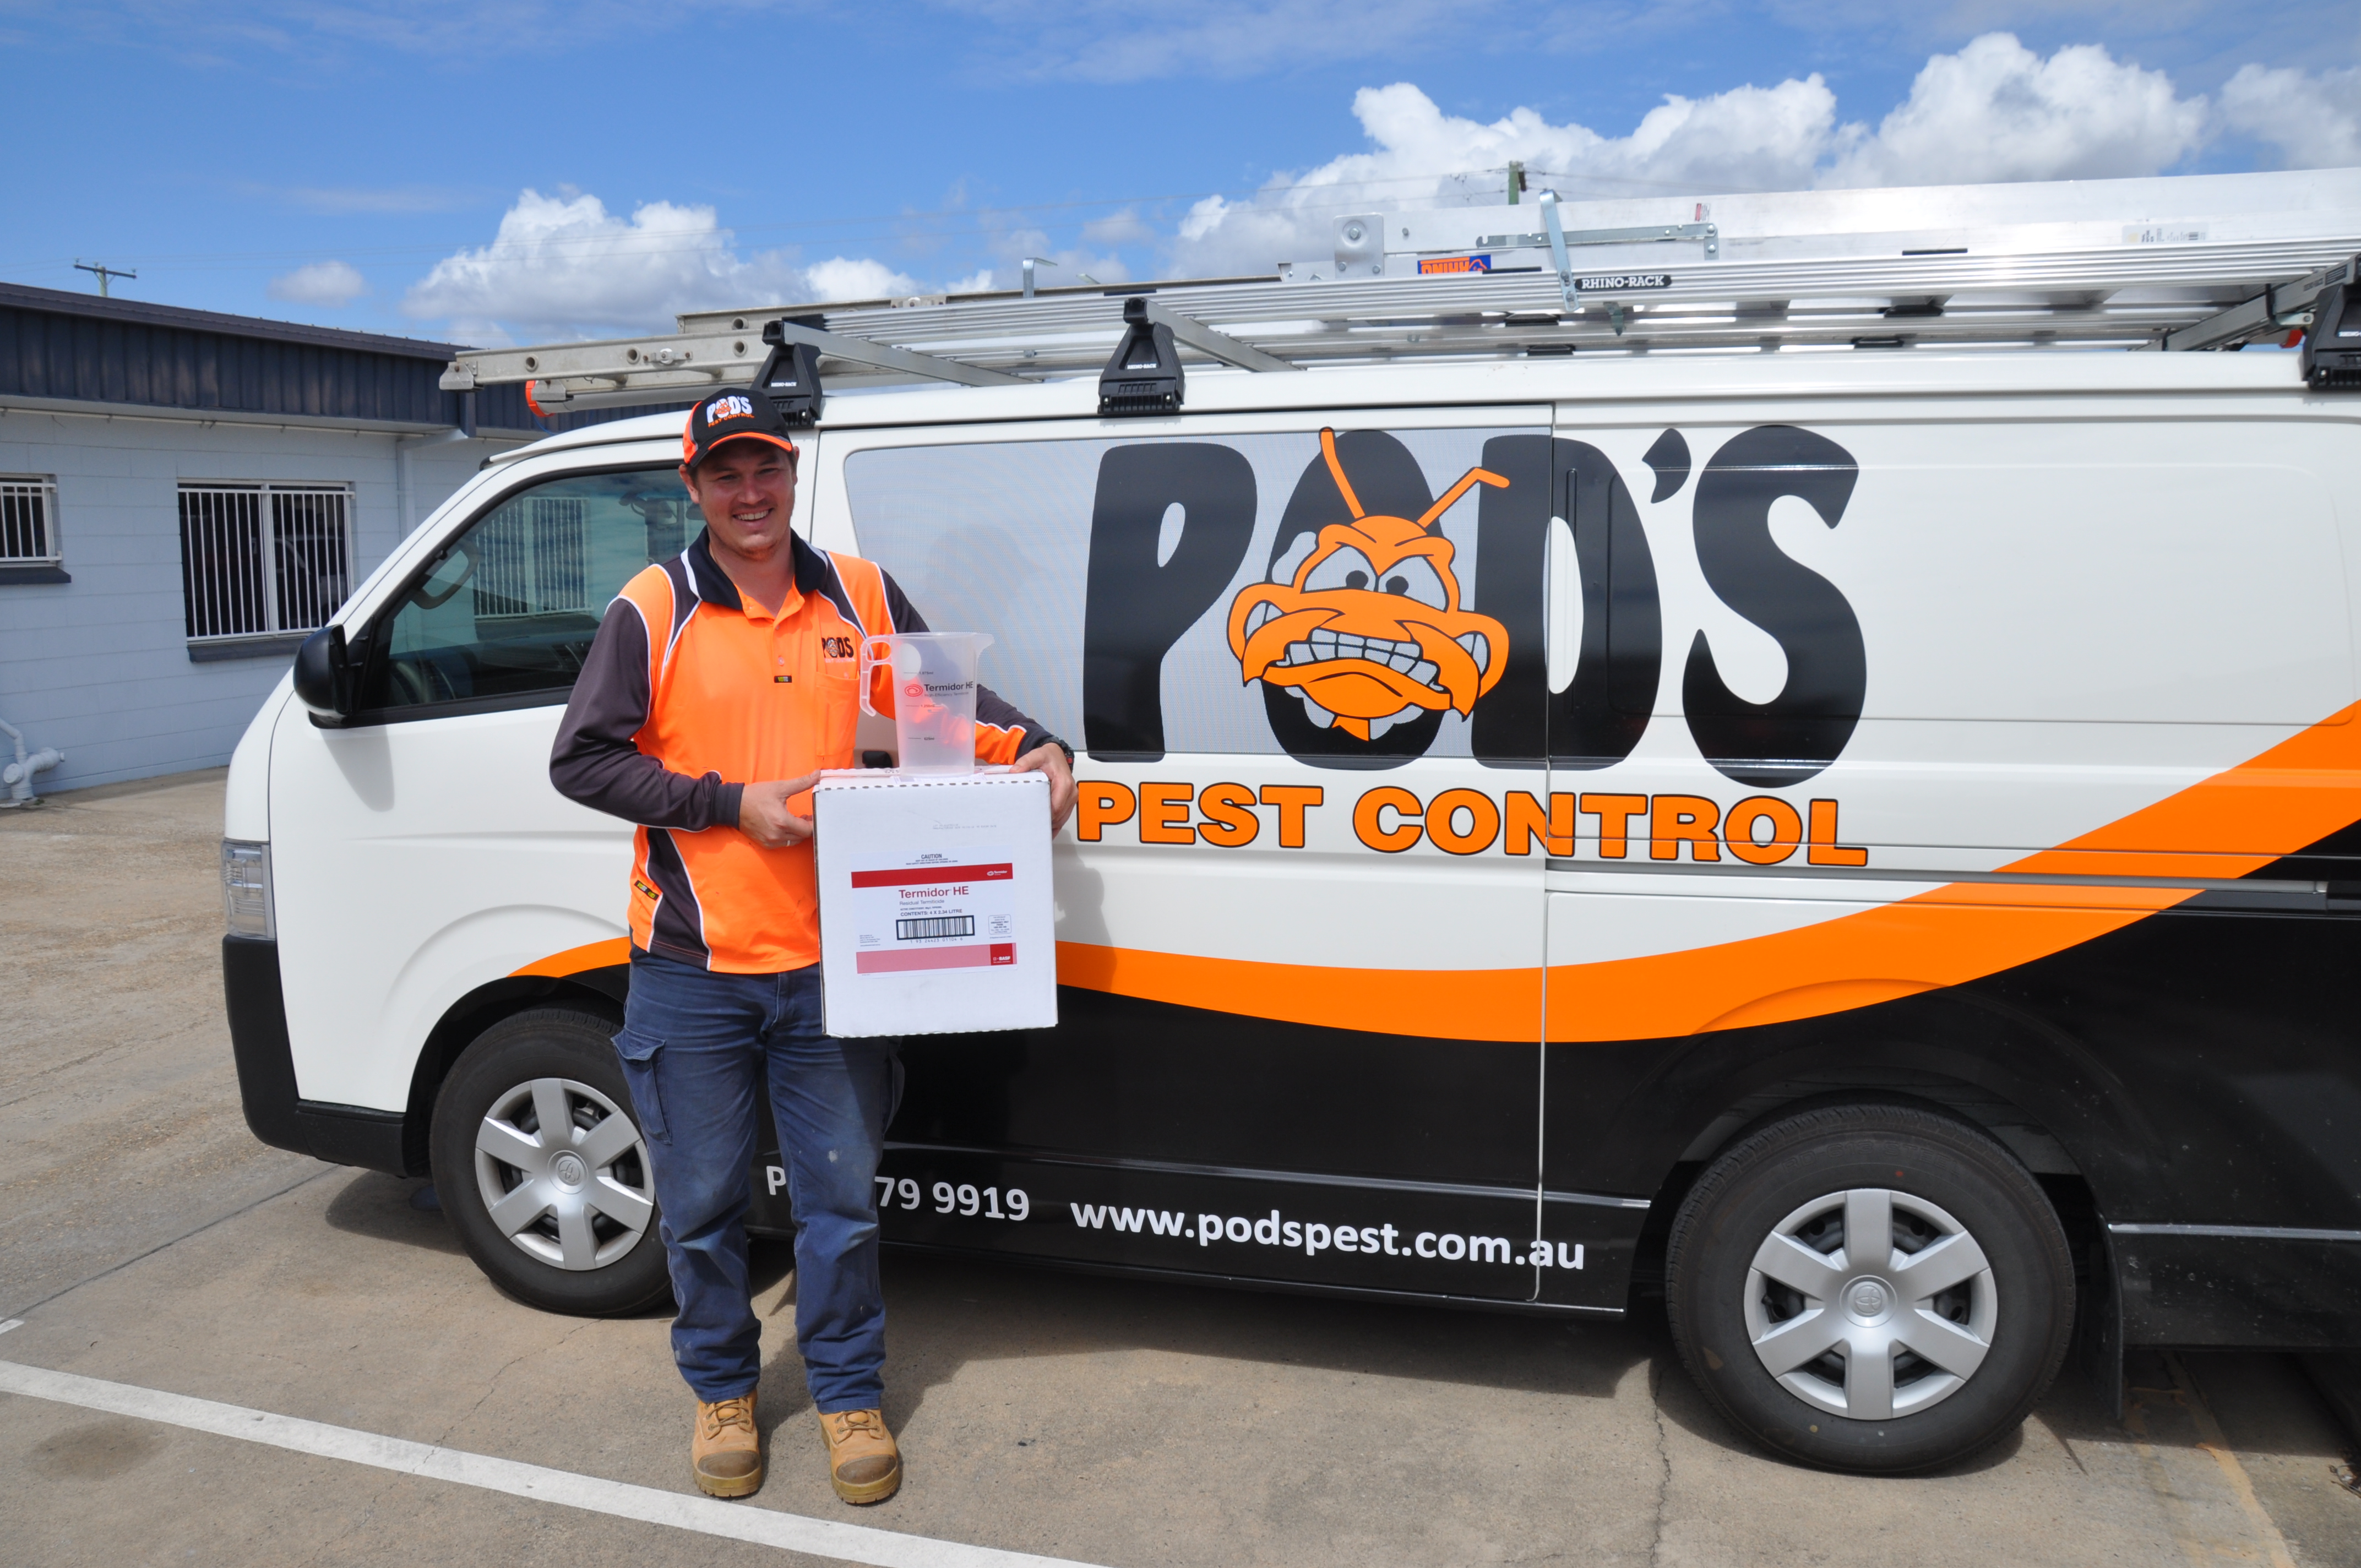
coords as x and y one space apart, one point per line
726 1454
864 1465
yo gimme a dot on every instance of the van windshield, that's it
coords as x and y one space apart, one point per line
509 606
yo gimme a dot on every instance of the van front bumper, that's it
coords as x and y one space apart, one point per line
341 1134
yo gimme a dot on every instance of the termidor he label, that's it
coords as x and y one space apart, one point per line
936 915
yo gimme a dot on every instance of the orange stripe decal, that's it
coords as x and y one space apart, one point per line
1852 961
575 960
2293 795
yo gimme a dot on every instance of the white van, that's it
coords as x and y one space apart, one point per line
1862 844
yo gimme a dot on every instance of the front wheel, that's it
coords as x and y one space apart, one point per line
539 1162
1872 1287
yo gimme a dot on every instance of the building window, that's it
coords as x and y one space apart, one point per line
507 610
533 558
257 560
29 528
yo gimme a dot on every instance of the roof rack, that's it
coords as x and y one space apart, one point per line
2237 259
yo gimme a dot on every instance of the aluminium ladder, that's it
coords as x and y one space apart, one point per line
2190 262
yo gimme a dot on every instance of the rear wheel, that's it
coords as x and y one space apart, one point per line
539 1161
1874 1288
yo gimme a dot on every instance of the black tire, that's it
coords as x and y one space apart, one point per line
568 1244
1942 1177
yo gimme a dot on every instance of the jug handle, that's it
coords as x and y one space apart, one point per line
870 662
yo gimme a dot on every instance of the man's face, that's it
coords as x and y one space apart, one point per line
747 492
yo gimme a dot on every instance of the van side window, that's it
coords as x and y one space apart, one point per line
508 608
1342 595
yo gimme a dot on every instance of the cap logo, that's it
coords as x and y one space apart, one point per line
731 407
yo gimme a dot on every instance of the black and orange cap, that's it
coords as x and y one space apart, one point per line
733 413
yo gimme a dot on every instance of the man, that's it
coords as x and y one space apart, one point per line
719 683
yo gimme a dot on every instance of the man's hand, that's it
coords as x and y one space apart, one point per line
763 816
1051 761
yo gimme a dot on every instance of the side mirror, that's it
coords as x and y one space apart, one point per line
323 675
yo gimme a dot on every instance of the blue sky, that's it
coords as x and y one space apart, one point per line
367 163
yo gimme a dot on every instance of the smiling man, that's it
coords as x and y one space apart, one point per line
720 683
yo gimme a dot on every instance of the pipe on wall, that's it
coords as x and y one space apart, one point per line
19 775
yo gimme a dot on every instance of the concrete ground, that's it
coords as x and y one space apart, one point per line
146 1240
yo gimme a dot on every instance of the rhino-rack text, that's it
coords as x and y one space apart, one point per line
1314 1237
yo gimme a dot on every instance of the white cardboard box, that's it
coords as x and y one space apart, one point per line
934 908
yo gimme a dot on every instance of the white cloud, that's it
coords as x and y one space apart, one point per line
978 283
565 267
839 278
332 284
1998 111
2315 122
1994 111
1747 138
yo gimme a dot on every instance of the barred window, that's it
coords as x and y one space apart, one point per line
533 558
28 520
257 559
509 607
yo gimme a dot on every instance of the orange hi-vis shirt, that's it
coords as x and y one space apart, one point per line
689 693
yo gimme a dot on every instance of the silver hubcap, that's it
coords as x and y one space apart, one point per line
1870 1304
563 1173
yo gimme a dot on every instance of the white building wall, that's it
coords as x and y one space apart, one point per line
98 667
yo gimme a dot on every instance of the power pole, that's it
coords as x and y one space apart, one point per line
103 273
1516 179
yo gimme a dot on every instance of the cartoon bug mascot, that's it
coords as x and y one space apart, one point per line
1369 634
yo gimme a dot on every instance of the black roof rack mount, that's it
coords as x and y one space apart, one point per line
1144 377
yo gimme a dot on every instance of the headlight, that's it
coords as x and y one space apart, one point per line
245 888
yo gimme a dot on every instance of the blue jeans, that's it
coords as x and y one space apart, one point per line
694 1046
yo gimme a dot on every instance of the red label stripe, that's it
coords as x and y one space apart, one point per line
919 876
972 955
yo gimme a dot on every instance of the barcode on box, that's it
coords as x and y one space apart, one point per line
929 926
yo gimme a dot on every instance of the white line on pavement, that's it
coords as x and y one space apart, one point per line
708 1516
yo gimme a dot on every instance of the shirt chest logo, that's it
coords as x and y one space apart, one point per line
836 648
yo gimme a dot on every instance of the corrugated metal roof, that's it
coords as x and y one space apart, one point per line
83 348
59 302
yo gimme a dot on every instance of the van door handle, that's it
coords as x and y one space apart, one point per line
1561 590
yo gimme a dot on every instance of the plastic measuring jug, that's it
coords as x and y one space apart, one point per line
934 696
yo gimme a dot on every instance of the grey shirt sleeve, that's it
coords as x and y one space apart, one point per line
597 759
